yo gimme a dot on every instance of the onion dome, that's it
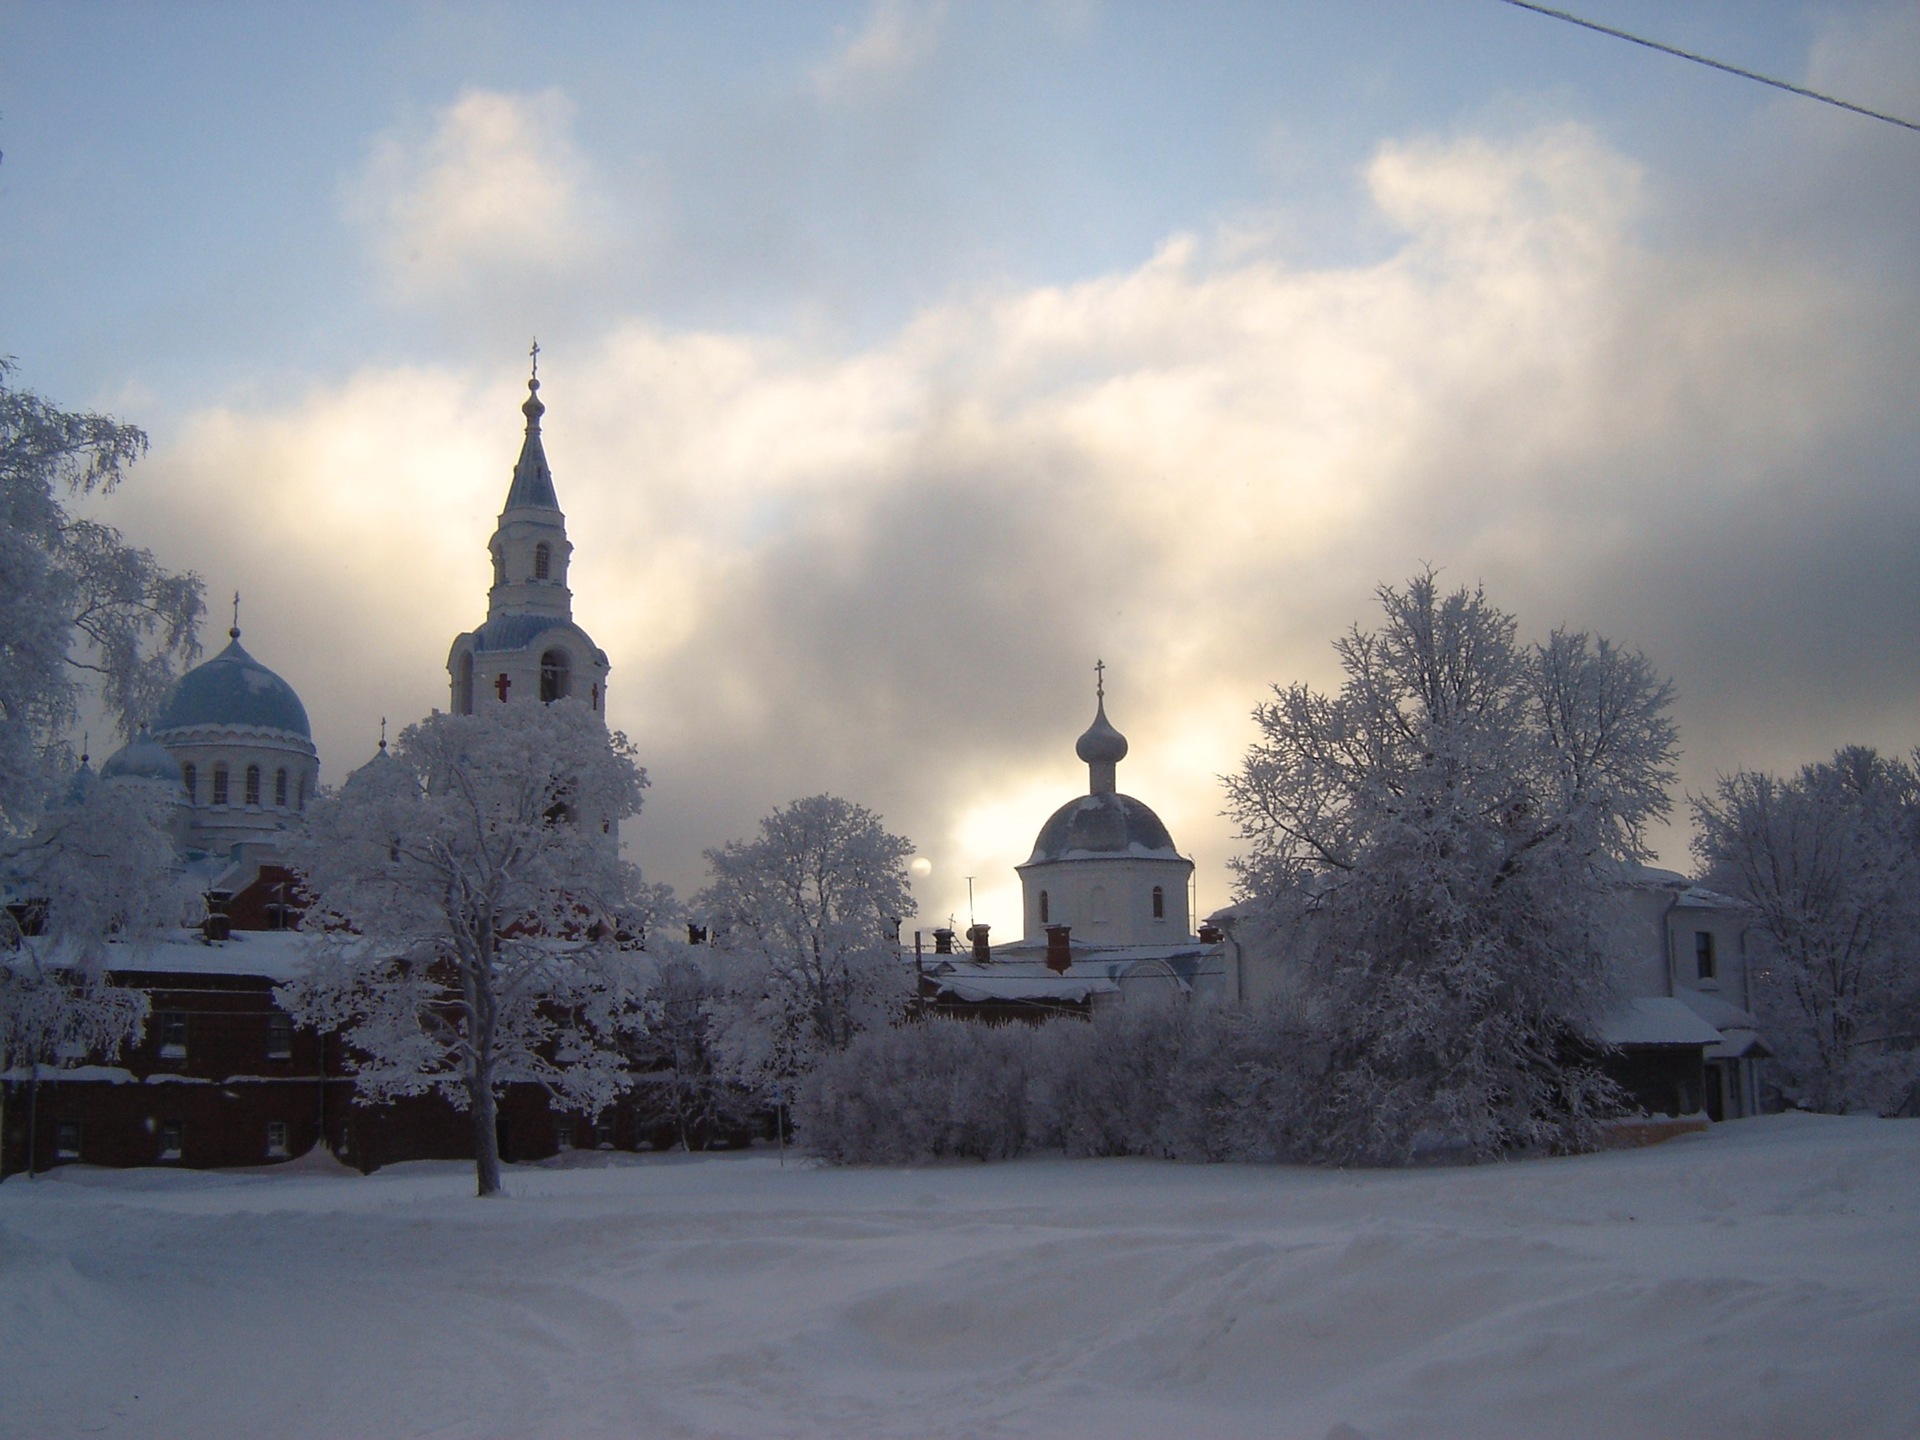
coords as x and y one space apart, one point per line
234 690
1102 744
142 758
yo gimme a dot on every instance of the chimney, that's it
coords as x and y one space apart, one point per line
1059 948
219 924
696 934
1211 935
943 942
982 953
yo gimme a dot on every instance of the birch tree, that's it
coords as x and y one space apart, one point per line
475 922
1429 847
1828 864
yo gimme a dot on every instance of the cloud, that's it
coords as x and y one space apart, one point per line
899 37
496 187
887 571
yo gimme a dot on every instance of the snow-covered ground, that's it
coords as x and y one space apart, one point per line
1761 1280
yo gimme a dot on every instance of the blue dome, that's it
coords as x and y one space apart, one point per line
143 758
233 688
1108 824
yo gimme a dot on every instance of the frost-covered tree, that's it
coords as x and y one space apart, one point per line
80 610
474 920
1828 865
683 1088
1431 846
806 921
84 609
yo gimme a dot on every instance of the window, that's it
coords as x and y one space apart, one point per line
219 784
66 1140
1045 909
253 784
542 560
563 1134
173 1139
279 1037
280 788
276 1139
1703 954
173 1034
190 777
603 1133
463 686
499 570
556 676
1159 903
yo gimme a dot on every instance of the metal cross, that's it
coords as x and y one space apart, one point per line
1100 678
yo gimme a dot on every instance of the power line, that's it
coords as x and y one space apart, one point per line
1712 64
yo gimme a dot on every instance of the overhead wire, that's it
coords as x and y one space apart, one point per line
1711 63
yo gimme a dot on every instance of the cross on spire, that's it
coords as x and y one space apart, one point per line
534 353
1100 679
234 633
383 732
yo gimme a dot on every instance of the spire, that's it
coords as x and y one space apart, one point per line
532 480
233 633
1102 746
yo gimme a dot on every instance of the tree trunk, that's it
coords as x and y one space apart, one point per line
486 1139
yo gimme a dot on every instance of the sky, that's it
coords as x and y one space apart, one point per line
902 359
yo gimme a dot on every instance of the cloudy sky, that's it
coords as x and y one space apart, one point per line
903 358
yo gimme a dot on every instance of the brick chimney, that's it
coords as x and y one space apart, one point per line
1059 948
943 942
982 953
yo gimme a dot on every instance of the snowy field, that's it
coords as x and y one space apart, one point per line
1761 1280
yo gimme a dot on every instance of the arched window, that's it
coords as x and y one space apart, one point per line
280 788
463 684
219 784
556 675
542 560
190 777
1045 910
253 784
1159 903
499 570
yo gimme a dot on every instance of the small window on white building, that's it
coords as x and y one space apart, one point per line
173 1034
66 1140
173 1139
1159 903
280 788
463 685
279 1037
276 1139
1046 909
556 676
253 784
1703 954
542 561
219 784
190 777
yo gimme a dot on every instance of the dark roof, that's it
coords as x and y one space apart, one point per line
1110 824
233 688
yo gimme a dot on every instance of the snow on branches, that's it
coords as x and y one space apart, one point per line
806 919
1431 847
1827 863
474 918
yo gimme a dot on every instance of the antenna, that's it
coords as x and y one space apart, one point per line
970 920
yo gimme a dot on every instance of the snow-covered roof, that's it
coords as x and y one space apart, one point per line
277 955
233 689
1656 1020
1100 826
